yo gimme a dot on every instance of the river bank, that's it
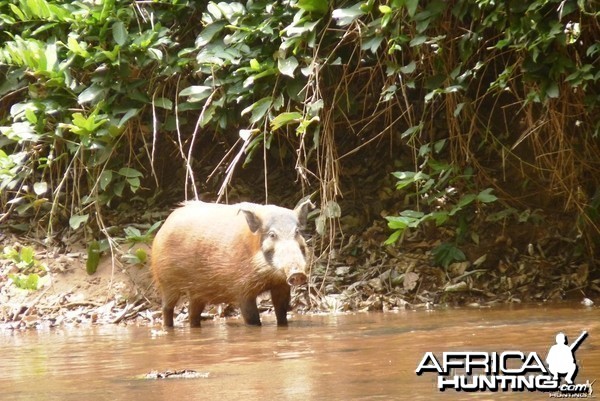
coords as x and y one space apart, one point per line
360 276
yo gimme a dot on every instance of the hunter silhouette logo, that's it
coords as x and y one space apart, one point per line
510 370
561 357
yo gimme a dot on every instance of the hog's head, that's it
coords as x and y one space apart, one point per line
282 243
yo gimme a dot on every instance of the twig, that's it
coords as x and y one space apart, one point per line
128 311
31 305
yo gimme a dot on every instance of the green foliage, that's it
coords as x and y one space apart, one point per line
92 92
138 257
77 74
441 189
446 253
24 258
134 235
25 281
27 265
93 257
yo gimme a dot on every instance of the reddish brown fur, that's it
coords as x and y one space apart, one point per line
208 252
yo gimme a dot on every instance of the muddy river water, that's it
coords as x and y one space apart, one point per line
368 356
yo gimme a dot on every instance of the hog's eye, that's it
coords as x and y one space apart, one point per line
272 235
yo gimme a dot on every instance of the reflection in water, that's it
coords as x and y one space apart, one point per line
361 356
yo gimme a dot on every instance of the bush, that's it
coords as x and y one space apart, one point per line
93 94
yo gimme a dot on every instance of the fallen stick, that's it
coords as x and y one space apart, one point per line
129 311
31 305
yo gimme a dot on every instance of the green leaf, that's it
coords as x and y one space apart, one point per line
118 188
458 109
258 109
287 66
163 103
255 65
141 255
411 6
112 55
51 57
127 116
445 254
552 90
119 33
132 233
462 202
17 11
134 183
251 79
77 220
316 6
20 131
486 196
411 131
155 54
285 119
91 94
214 10
299 28
408 218
438 146
332 210
85 125
419 40
440 217
77 48
208 33
40 188
465 200
154 227
409 68
393 237
105 179
345 16
130 172
27 255
414 214
196 93
396 222
372 44
25 282
385 9
93 257
502 43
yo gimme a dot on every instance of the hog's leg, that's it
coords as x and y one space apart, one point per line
281 301
169 301
196 308
250 311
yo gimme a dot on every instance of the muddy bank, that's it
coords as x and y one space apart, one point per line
360 275
67 295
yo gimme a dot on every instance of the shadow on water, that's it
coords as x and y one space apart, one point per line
332 357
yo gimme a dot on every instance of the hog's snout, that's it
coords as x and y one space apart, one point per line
289 257
297 278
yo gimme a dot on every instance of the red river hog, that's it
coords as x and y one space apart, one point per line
216 253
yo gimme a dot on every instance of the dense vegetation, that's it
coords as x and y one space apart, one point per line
485 112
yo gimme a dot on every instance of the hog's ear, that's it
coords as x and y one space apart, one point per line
302 210
253 220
